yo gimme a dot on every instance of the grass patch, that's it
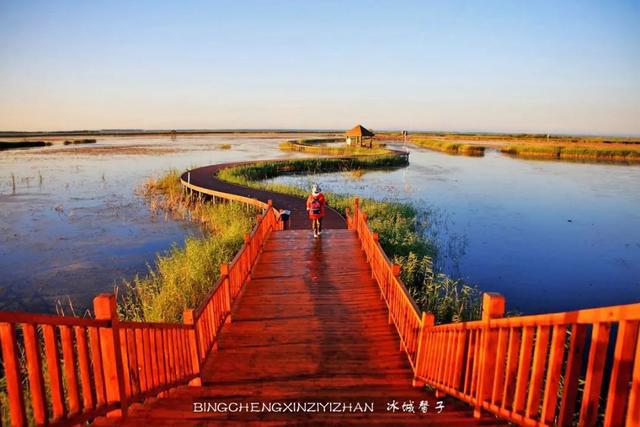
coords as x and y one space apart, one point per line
249 173
316 146
609 152
182 277
449 147
8 145
400 230
79 141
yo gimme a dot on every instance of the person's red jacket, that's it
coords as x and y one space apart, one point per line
323 204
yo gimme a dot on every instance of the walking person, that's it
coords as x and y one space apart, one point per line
316 205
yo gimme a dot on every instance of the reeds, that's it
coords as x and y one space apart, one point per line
314 146
626 152
7 145
450 147
79 141
182 277
247 174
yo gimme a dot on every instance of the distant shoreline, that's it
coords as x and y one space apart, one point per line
395 133
142 132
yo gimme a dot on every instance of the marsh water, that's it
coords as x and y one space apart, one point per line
74 224
548 235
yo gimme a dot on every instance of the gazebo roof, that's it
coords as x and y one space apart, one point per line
359 130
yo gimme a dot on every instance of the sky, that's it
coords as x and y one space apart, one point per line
504 66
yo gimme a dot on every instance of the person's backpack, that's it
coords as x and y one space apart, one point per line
316 206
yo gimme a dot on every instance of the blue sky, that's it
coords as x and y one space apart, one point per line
558 66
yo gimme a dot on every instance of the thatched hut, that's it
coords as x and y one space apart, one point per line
358 136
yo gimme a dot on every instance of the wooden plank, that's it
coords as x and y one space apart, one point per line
162 374
142 360
595 372
70 373
55 377
12 373
148 363
513 355
96 357
469 365
125 361
84 363
476 363
34 369
47 319
571 375
554 369
457 373
537 373
633 407
133 362
155 368
500 360
524 367
621 373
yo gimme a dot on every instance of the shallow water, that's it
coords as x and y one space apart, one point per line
550 236
74 226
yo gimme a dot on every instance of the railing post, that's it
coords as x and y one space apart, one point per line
427 321
368 253
395 268
188 318
492 308
361 227
356 211
11 362
386 285
247 257
104 306
226 282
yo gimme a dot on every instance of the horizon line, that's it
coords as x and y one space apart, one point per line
106 131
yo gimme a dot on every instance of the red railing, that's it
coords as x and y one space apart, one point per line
77 369
403 310
544 369
215 310
550 369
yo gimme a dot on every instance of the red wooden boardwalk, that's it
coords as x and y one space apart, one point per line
312 340
309 327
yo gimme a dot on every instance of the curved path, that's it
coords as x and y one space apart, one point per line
206 177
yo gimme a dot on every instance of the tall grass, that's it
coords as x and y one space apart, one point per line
248 174
626 152
182 277
7 145
401 235
79 141
449 147
314 146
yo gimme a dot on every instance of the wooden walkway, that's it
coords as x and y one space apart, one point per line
309 327
205 177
